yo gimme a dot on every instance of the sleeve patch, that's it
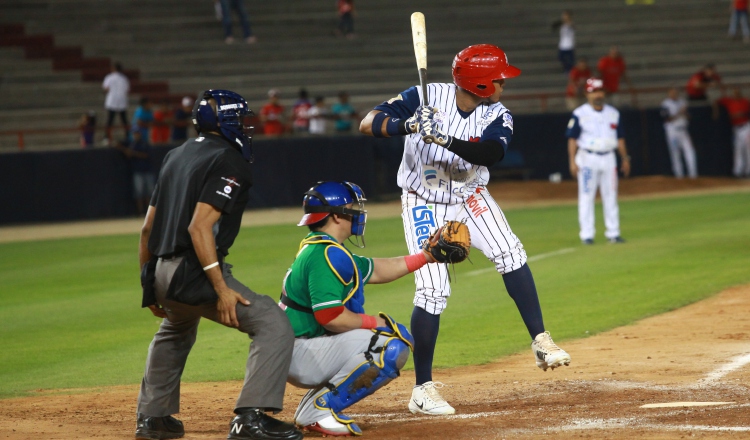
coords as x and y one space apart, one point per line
508 121
397 98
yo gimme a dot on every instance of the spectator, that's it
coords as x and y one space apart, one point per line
738 109
138 151
143 118
161 125
575 94
567 44
318 114
699 84
346 18
344 113
272 115
674 113
739 10
301 118
87 124
117 86
226 20
182 120
611 69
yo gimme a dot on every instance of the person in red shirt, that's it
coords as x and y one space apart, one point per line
161 125
701 81
575 93
611 69
739 10
300 117
738 109
272 115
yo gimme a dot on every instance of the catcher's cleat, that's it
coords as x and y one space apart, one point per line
426 399
158 428
256 425
331 426
547 353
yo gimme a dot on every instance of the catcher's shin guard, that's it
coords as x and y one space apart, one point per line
367 378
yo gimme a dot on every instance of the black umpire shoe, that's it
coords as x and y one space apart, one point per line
256 425
158 428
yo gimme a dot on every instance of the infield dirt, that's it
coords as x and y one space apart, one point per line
697 353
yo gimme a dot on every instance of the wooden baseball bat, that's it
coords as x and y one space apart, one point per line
419 37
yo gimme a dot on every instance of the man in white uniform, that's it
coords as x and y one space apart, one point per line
116 85
448 145
594 133
674 113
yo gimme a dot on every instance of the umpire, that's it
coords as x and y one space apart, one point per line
193 218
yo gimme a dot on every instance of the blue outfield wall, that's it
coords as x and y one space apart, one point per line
96 184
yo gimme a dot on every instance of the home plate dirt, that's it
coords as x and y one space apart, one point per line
697 354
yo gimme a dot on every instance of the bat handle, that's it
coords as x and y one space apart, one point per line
423 83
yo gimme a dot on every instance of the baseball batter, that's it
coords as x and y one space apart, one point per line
674 113
340 353
594 133
448 145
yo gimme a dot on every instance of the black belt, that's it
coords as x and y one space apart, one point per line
600 153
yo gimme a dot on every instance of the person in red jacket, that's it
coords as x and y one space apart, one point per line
575 92
611 69
738 108
698 84
272 115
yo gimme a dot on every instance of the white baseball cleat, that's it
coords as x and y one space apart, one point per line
329 426
426 399
547 353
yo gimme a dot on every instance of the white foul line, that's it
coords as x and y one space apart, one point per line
737 363
530 259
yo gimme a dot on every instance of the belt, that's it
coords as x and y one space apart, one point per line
600 153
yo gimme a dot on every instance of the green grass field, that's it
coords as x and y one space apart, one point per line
70 315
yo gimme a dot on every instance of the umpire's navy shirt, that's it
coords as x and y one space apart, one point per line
205 169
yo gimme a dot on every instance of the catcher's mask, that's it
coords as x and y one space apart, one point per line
475 67
227 119
326 198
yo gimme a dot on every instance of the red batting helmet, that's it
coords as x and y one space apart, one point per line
594 84
475 67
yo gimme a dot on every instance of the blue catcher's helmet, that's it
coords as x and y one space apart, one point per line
231 110
332 197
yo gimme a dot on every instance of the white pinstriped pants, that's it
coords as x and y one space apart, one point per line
490 233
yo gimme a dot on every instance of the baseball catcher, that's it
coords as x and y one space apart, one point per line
353 353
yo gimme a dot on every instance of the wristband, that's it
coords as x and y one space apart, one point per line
368 321
211 266
415 261
377 124
396 127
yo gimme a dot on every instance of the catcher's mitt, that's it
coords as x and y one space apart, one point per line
450 243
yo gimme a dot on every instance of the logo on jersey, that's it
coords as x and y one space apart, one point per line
486 118
508 121
476 206
430 174
439 116
613 126
397 98
473 138
424 222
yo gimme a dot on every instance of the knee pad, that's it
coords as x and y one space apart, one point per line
367 378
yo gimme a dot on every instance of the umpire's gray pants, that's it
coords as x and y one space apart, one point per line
267 364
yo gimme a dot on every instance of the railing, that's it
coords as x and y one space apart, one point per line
543 99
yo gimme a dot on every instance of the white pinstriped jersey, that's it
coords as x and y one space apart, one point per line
435 173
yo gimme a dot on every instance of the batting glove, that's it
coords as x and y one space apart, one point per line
431 133
412 124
